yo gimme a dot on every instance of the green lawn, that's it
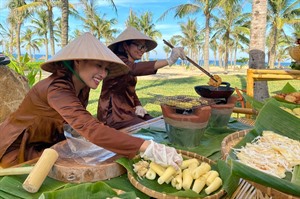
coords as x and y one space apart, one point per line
148 90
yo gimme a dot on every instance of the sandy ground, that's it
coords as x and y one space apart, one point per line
180 72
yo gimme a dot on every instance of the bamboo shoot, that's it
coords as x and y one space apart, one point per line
157 168
151 175
199 184
187 179
177 181
216 184
166 175
212 175
201 170
186 163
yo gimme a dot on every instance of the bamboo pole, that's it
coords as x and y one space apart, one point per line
274 71
274 77
250 84
248 111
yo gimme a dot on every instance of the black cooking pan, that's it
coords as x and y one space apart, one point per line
219 92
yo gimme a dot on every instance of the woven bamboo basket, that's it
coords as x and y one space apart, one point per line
152 193
261 192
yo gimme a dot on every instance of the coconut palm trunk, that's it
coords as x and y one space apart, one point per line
273 49
257 46
64 22
206 43
18 40
51 32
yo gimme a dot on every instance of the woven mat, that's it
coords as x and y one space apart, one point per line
247 121
155 194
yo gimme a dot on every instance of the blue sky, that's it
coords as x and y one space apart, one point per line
168 27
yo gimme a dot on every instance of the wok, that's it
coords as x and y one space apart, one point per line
215 92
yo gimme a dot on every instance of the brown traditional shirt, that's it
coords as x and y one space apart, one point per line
118 95
51 103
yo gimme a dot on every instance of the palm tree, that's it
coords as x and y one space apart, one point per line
144 24
214 47
8 33
257 46
231 22
76 33
190 38
30 43
206 6
148 27
40 27
17 18
296 32
167 49
99 26
49 4
240 41
64 22
132 20
281 13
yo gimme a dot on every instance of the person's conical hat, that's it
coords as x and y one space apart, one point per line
87 47
131 33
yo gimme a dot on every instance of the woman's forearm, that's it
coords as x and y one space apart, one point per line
160 64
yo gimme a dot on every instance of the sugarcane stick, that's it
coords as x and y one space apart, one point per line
40 171
15 171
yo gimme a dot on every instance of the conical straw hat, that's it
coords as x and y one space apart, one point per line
87 47
131 33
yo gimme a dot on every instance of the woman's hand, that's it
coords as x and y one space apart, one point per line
161 154
175 54
140 111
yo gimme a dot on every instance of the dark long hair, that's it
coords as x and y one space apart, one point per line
119 49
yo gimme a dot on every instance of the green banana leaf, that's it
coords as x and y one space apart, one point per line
229 185
12 185
97 190
122 183
288 88
209 145
257 105
271 117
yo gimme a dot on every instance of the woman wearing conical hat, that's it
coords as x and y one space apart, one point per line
61 99
119 105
